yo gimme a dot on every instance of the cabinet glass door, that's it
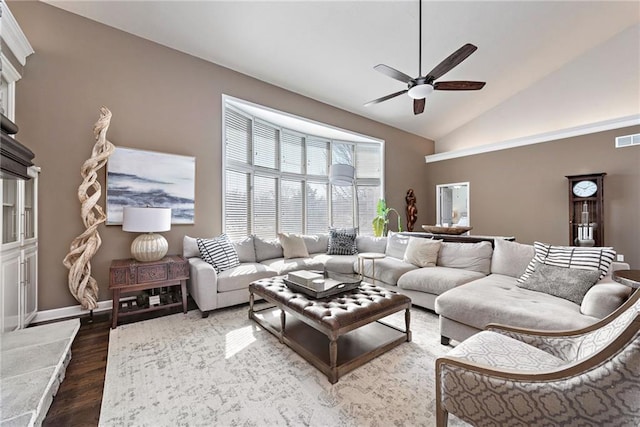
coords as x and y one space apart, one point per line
10 215
29 209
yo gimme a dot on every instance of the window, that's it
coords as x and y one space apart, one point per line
277 179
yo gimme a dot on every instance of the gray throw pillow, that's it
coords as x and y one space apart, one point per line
341 243
569 283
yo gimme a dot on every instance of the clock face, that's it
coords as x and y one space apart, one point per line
585 189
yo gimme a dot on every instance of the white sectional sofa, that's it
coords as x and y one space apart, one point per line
470 285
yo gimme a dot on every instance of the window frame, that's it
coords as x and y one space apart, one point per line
305 178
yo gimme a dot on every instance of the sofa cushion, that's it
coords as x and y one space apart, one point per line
371 244
283 266
436 280
190 247
267 249
341 243
316 243
396 245
422 252
469 256
510 258
293 246
568 283
498 299
245 249
240 276
337 263
219 252
388 269
492 349
598 258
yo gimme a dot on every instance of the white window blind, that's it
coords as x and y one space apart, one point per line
276 179
236 200
237 136
265 200
292 152
265 145
368 196
368 161
291 206
317 207
342 206
317 157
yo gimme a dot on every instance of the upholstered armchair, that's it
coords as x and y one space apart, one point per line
517 377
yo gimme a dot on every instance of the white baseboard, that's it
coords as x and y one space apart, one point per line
69 312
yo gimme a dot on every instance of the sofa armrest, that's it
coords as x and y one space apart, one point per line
203 284
604 298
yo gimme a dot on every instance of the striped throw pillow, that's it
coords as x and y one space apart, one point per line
219 252
570 257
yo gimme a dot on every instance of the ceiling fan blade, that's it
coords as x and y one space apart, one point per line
384 98
393 73
454 59
458 85
418 106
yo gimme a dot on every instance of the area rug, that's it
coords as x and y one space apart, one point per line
225 370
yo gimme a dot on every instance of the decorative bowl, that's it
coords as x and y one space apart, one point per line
436 229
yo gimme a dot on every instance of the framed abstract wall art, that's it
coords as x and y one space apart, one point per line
148 178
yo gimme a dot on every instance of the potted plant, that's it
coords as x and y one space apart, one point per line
381 221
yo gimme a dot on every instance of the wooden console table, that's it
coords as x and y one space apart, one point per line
129 275
458 237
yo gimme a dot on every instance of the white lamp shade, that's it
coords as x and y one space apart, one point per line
342 174
146 220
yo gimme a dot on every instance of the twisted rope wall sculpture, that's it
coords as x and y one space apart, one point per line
82 286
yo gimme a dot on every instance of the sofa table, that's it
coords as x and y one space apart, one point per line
129 275
336 334
629 278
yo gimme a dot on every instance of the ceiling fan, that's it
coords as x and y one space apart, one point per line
422 86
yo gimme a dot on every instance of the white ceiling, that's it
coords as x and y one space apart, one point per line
326 50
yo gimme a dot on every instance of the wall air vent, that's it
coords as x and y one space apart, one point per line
627 140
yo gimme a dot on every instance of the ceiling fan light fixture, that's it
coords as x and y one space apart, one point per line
420 91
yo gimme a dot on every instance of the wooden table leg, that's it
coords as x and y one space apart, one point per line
333 359
115 307
407 323
251 298
283 319
183 286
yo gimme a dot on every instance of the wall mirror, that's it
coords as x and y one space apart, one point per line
452 204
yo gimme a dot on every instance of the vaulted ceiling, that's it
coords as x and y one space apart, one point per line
326 50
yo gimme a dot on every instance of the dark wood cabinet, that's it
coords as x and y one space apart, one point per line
586 209
129 275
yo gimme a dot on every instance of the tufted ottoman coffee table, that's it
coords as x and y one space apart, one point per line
336 334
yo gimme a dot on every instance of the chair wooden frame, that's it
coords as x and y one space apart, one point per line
630 333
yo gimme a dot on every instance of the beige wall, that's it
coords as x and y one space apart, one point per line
523 191
161 100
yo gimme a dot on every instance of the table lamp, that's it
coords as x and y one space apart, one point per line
149 246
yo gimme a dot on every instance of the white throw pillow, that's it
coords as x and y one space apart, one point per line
422 252
396 245
510 258
293 246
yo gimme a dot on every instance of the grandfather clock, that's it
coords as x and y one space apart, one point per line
586 209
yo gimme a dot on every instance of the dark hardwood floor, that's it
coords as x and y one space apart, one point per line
78 400
79 397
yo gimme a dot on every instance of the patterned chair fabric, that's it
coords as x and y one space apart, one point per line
513 377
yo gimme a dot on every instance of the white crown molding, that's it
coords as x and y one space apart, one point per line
69 312
13 36
617 123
